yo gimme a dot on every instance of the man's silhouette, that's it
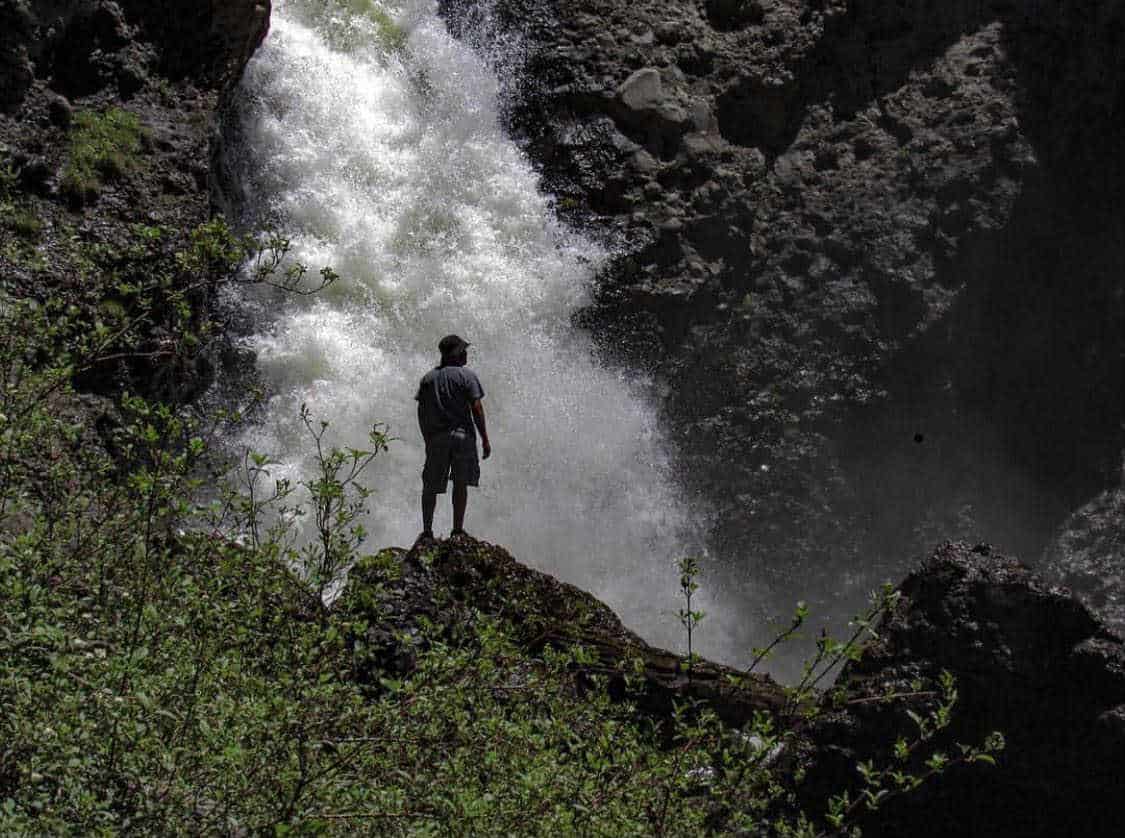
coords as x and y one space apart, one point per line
449 414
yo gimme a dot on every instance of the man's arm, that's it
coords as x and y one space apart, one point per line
478 420
421 426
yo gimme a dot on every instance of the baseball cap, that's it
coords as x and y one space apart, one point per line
451 345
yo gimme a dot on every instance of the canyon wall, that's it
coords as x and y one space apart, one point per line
872 251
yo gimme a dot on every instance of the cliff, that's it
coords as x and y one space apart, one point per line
870 249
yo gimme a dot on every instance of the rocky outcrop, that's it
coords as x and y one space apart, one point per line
1029 661
208 41
444 583
871 252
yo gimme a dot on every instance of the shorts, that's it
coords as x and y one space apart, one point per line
450 452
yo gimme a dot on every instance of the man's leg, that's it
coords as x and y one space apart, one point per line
429 503
460 501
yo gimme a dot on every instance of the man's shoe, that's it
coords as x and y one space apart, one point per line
459 534
425 537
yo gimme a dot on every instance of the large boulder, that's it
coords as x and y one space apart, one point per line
1029 661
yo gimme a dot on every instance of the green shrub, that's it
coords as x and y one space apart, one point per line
25 223
103 146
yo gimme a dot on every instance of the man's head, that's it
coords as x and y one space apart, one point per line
454 351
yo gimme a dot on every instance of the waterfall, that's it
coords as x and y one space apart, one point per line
372 139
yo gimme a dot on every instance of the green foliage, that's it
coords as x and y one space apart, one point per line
24 223
900 774
164 88
689 618
21 220
103 146
159 678
8 180
338 499
147 313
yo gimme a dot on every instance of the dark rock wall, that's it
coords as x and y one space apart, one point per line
83 45
210 41
1029 661
872 249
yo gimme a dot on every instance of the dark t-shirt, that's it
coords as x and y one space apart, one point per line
445 397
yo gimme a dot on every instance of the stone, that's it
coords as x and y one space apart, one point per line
35 174
59 111
650 112
642 90
16 71
645 162
207 40
703 117
730 15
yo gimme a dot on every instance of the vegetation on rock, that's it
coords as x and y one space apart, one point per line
102 146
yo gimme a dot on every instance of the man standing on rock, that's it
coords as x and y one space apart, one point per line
449 414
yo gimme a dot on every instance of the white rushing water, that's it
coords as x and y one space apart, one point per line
390 165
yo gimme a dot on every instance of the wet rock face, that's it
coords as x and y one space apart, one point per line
1030 661
870 251
1088 556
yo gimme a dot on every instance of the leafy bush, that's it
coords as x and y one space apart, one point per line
103 146
148 306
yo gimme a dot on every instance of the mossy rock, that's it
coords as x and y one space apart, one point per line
103 147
